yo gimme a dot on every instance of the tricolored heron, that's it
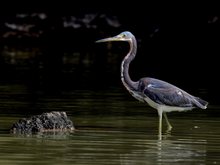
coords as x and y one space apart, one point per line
159 94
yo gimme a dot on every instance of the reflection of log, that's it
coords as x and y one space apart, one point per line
46 122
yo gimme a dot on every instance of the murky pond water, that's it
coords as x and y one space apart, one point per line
111 128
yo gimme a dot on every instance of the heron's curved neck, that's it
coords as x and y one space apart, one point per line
129 84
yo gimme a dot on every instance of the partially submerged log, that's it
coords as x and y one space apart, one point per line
47 122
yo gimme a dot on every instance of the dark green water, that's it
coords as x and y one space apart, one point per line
111 128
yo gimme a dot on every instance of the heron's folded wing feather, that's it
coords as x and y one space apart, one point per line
168 96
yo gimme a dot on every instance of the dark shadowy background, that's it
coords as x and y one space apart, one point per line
53 46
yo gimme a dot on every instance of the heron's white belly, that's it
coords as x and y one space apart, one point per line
165 108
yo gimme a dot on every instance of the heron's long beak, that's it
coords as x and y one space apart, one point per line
116 38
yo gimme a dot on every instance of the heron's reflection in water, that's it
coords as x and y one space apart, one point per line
167 151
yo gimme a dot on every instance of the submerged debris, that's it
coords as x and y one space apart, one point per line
47 122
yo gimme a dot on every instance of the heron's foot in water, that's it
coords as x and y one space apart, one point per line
169 128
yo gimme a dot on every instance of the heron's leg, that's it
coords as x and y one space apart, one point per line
160 112
167 121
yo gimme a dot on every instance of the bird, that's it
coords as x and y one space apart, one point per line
159 94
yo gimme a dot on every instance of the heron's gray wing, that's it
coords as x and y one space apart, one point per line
167 94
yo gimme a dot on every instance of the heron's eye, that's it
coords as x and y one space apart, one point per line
123 35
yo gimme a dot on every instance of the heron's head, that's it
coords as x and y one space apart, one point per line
124 36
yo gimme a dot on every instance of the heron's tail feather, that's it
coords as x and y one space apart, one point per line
201 103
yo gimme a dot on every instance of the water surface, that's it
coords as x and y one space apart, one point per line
111 128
